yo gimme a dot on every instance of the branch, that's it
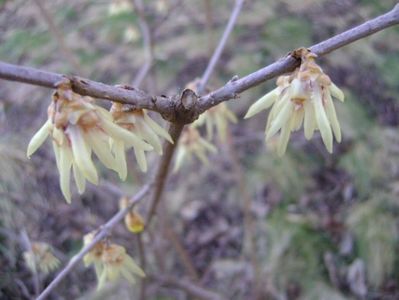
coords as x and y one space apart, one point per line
219 49
288 63
167 106
103 232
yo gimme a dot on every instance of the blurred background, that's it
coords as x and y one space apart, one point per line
254 226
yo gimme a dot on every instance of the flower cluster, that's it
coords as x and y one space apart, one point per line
79 127
40 257
302 97
191 143
111 262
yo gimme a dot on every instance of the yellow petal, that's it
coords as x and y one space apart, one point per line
39 138
180 155
79 179
309 120
208 146
65 172
120 159
150 137
322 121
337 92
101 148
297 119
82 154
263 103
284 138
141 160
158 129
129 138
332 117
281 119
132 266
221 125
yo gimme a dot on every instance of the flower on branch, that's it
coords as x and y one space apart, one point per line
302 97
139 123
79 127
216 118
191 143
133 220
111 262
40 257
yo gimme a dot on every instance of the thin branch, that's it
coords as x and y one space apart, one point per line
190 288
219 49
58 36
147 43
166 105
103 232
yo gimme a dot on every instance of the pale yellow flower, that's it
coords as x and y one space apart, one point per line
133 220
41 258
93 257
119 6
116 264
139 123
78 127
216 119
302 97
191 143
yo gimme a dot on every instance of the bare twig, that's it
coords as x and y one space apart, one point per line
190 288
58 36
222 43
103 232
147 43
166 106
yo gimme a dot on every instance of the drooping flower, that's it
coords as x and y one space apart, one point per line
133 220
116 264
41 258
191 143
139 123
216 118
78 127
302 97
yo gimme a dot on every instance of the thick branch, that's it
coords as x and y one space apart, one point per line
103 232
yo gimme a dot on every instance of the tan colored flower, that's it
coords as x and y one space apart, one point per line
117 263
40 257
191 143
93 257
302 97
133 220
216 118
139 123
78 127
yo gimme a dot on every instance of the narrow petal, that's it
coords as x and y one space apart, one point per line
281 119
230 115
208 146
180 155
39 138
158 129
209 129
221 125
284 138
65 172
337 92
263 103
297 119
150 137
132 266
332 117
128 276
56 150
82 154
79 179
141 160
309 120
101 148
129 138
120 159
200 153
322 121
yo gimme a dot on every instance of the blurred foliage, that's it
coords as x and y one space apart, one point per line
304 206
